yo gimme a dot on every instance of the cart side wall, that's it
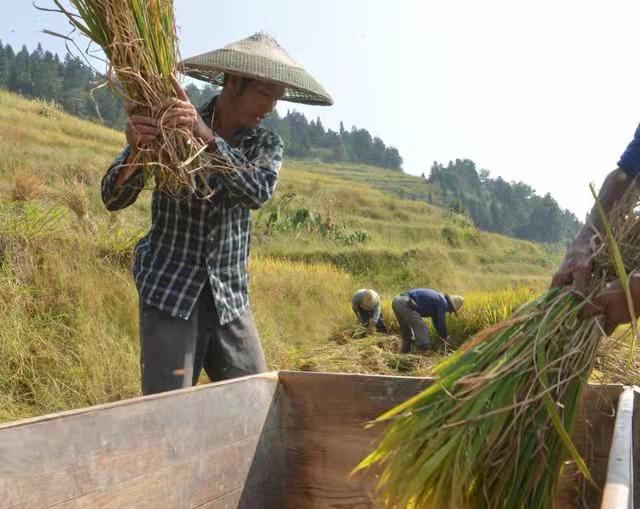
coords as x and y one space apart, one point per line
323 417
192 448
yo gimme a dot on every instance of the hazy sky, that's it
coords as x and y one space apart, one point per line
547 92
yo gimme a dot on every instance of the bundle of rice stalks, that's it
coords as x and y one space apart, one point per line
612 363
139 39
494 430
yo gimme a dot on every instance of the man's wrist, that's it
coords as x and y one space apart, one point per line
128 168
582 242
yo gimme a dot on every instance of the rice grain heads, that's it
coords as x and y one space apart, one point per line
139 40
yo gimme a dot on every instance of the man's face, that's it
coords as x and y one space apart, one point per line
255 102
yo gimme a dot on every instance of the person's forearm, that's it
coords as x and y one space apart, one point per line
128 170
613 188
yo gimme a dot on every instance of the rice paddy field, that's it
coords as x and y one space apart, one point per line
70 306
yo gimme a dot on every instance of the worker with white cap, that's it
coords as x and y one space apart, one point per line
366 306
191 267
412 306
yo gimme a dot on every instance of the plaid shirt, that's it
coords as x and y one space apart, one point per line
191 239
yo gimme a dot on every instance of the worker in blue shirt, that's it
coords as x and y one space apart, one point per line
412 306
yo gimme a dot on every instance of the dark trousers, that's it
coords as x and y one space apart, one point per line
173 351
412 326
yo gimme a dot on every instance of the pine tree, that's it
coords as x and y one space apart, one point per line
20 77
4 68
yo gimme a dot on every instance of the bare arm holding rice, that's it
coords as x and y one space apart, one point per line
576 269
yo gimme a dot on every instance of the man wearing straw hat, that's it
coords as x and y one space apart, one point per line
412 306
366 306
191 267
577 266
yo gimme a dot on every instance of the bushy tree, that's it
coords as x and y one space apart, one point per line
509 208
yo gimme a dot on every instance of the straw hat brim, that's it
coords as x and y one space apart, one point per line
300 86
456 302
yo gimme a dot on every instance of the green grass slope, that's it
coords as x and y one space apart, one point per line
69 335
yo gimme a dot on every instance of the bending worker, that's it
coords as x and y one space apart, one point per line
410 307
366 305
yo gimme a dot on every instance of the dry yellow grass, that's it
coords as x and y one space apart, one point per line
69 304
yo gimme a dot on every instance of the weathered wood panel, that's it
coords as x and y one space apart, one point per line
248 443
323 415
180 449
592 436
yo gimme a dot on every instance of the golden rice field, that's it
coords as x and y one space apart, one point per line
69 335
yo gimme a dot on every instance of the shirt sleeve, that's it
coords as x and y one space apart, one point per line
127 193
440 321
376 313
630 160
251 183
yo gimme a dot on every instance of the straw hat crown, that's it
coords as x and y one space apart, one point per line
259 57
370 299
457 302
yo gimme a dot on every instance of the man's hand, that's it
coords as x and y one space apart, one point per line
612 303
576 268
371 324
141 131
180 113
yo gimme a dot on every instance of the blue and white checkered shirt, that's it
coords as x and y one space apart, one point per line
192 239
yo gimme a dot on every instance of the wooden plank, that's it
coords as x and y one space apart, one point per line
245 498
324 460
341 401
205 479
324 415
618 490
134 446
229 501
592 437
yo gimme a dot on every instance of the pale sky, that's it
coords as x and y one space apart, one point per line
547 92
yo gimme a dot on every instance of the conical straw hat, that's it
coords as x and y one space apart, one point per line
457 302
370 299
259 57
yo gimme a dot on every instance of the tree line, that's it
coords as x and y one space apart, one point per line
81 91
304 138
70 83
509 208
495 205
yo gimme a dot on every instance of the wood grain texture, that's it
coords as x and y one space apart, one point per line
178 449
324 416
263 442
